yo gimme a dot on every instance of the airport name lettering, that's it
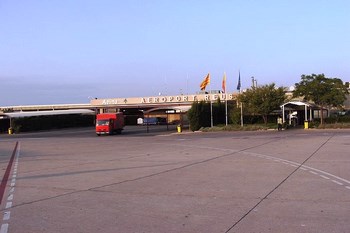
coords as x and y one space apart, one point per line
168 99
184 98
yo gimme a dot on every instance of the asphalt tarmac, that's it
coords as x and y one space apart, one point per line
163 181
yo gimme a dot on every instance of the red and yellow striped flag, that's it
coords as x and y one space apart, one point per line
205 82
224 83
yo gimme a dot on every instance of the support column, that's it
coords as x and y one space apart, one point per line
305 112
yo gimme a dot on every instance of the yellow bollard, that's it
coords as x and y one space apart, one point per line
10 130
306 124
179 129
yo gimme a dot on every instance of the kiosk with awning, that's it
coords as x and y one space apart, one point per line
298 112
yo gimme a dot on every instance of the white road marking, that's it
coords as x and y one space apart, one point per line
329 174
337 182
8 205
325 177
4 228
10 198
312 170
315 173
6 215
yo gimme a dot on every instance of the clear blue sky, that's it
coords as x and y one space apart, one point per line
63 51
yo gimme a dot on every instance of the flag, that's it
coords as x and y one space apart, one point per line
224 83
239 81
205 82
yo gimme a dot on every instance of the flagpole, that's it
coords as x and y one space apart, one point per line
239 91
211 107
241 111
203 85
226 108
225 99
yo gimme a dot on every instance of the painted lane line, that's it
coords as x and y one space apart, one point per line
8 205
4 228
10 198
303 167
329 174
325 177
7 173
337 182
7 215
312 172
271 157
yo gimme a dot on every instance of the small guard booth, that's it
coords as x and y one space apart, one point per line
297 113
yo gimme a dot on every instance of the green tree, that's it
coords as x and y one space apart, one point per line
262 100
323 91
234 114
219 113
199 115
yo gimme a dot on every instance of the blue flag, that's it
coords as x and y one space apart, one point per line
239 81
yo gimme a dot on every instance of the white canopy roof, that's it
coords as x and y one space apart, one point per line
297 103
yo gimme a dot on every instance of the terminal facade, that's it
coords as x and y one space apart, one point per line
173 108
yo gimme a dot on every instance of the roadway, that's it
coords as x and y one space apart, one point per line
266 181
